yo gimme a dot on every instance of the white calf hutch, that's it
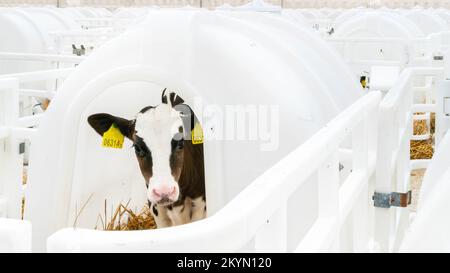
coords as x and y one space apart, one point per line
28 30
100 80
376 38
322 182
427 21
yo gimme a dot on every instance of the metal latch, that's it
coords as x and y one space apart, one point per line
22 148
393 199
78 51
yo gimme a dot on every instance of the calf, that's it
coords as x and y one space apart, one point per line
170 160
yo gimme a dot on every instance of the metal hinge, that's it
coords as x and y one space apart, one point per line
393 199
22 148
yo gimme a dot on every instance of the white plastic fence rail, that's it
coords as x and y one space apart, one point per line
345 47
443 103
258 213
49 58
90 38
410 52
98 23
10 160
40 75
51 77
14 129
47 83
15 234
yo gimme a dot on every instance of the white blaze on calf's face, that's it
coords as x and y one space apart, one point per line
157 127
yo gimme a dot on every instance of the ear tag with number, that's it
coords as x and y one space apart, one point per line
197 134
113 138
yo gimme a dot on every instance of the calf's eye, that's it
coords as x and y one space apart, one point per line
178 141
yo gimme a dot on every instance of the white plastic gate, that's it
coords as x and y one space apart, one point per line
393 158
15 234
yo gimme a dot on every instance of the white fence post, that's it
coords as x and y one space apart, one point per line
383 179
443 113
442 110
403 167
359 214
328 189
10 160
324 234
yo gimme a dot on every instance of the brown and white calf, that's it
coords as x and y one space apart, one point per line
171 164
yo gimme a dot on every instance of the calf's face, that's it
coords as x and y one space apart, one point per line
157 136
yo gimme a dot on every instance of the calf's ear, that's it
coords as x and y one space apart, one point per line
171 97
102 122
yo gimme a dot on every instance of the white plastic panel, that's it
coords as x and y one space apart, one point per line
15 235
383 78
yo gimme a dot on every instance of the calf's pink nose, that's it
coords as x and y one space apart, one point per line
164 192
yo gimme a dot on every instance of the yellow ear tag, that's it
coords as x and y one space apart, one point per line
363 83
113 138
197 134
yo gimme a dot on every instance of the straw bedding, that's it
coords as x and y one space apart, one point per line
422 149
124 219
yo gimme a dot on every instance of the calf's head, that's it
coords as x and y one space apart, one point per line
158 136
